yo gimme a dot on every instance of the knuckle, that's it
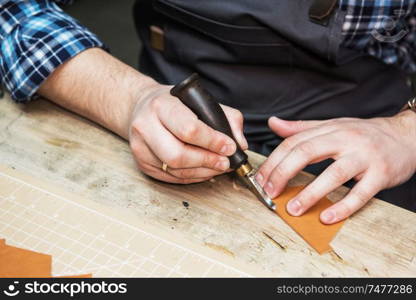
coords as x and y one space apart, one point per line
355 132
185 173
216 143
372 147
277 173
385 169
265 170
209 161
137 128
306 149
300 124
190 131
156 104
362 196
338 174
288 144
175 159
308 197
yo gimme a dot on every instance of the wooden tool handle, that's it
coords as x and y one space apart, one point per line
201 102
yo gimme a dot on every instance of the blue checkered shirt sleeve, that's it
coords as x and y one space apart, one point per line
35 38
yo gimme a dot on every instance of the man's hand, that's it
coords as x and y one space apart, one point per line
163 130
159 127
379 153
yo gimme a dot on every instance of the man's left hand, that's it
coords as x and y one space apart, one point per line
379 153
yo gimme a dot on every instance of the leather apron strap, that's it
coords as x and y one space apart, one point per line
321 10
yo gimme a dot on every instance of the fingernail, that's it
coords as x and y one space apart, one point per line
269 189
227 149
294 207
259 178
328 216
222 164
223 149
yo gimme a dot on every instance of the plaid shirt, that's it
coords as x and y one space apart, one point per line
385 29
36 37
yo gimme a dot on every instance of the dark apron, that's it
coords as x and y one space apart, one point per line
267 58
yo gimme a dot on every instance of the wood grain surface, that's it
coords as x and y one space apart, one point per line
48 142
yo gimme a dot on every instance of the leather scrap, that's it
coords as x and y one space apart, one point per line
21 263
308 226
16 262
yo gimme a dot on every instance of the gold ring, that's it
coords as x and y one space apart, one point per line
165 167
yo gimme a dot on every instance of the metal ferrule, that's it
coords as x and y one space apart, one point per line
244 169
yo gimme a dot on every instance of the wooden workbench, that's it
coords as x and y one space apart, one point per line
55 145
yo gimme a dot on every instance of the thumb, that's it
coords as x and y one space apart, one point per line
285 128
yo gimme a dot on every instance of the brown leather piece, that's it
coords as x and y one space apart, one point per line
21 263
17 262
308 226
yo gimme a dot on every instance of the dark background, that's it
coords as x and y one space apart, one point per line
112 21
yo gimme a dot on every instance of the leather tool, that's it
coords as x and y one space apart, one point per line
202 103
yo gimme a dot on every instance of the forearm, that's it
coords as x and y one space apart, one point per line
97 86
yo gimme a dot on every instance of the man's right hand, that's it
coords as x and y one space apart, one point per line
159 127
163 130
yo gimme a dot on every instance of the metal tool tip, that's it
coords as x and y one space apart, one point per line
260 193
269 202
